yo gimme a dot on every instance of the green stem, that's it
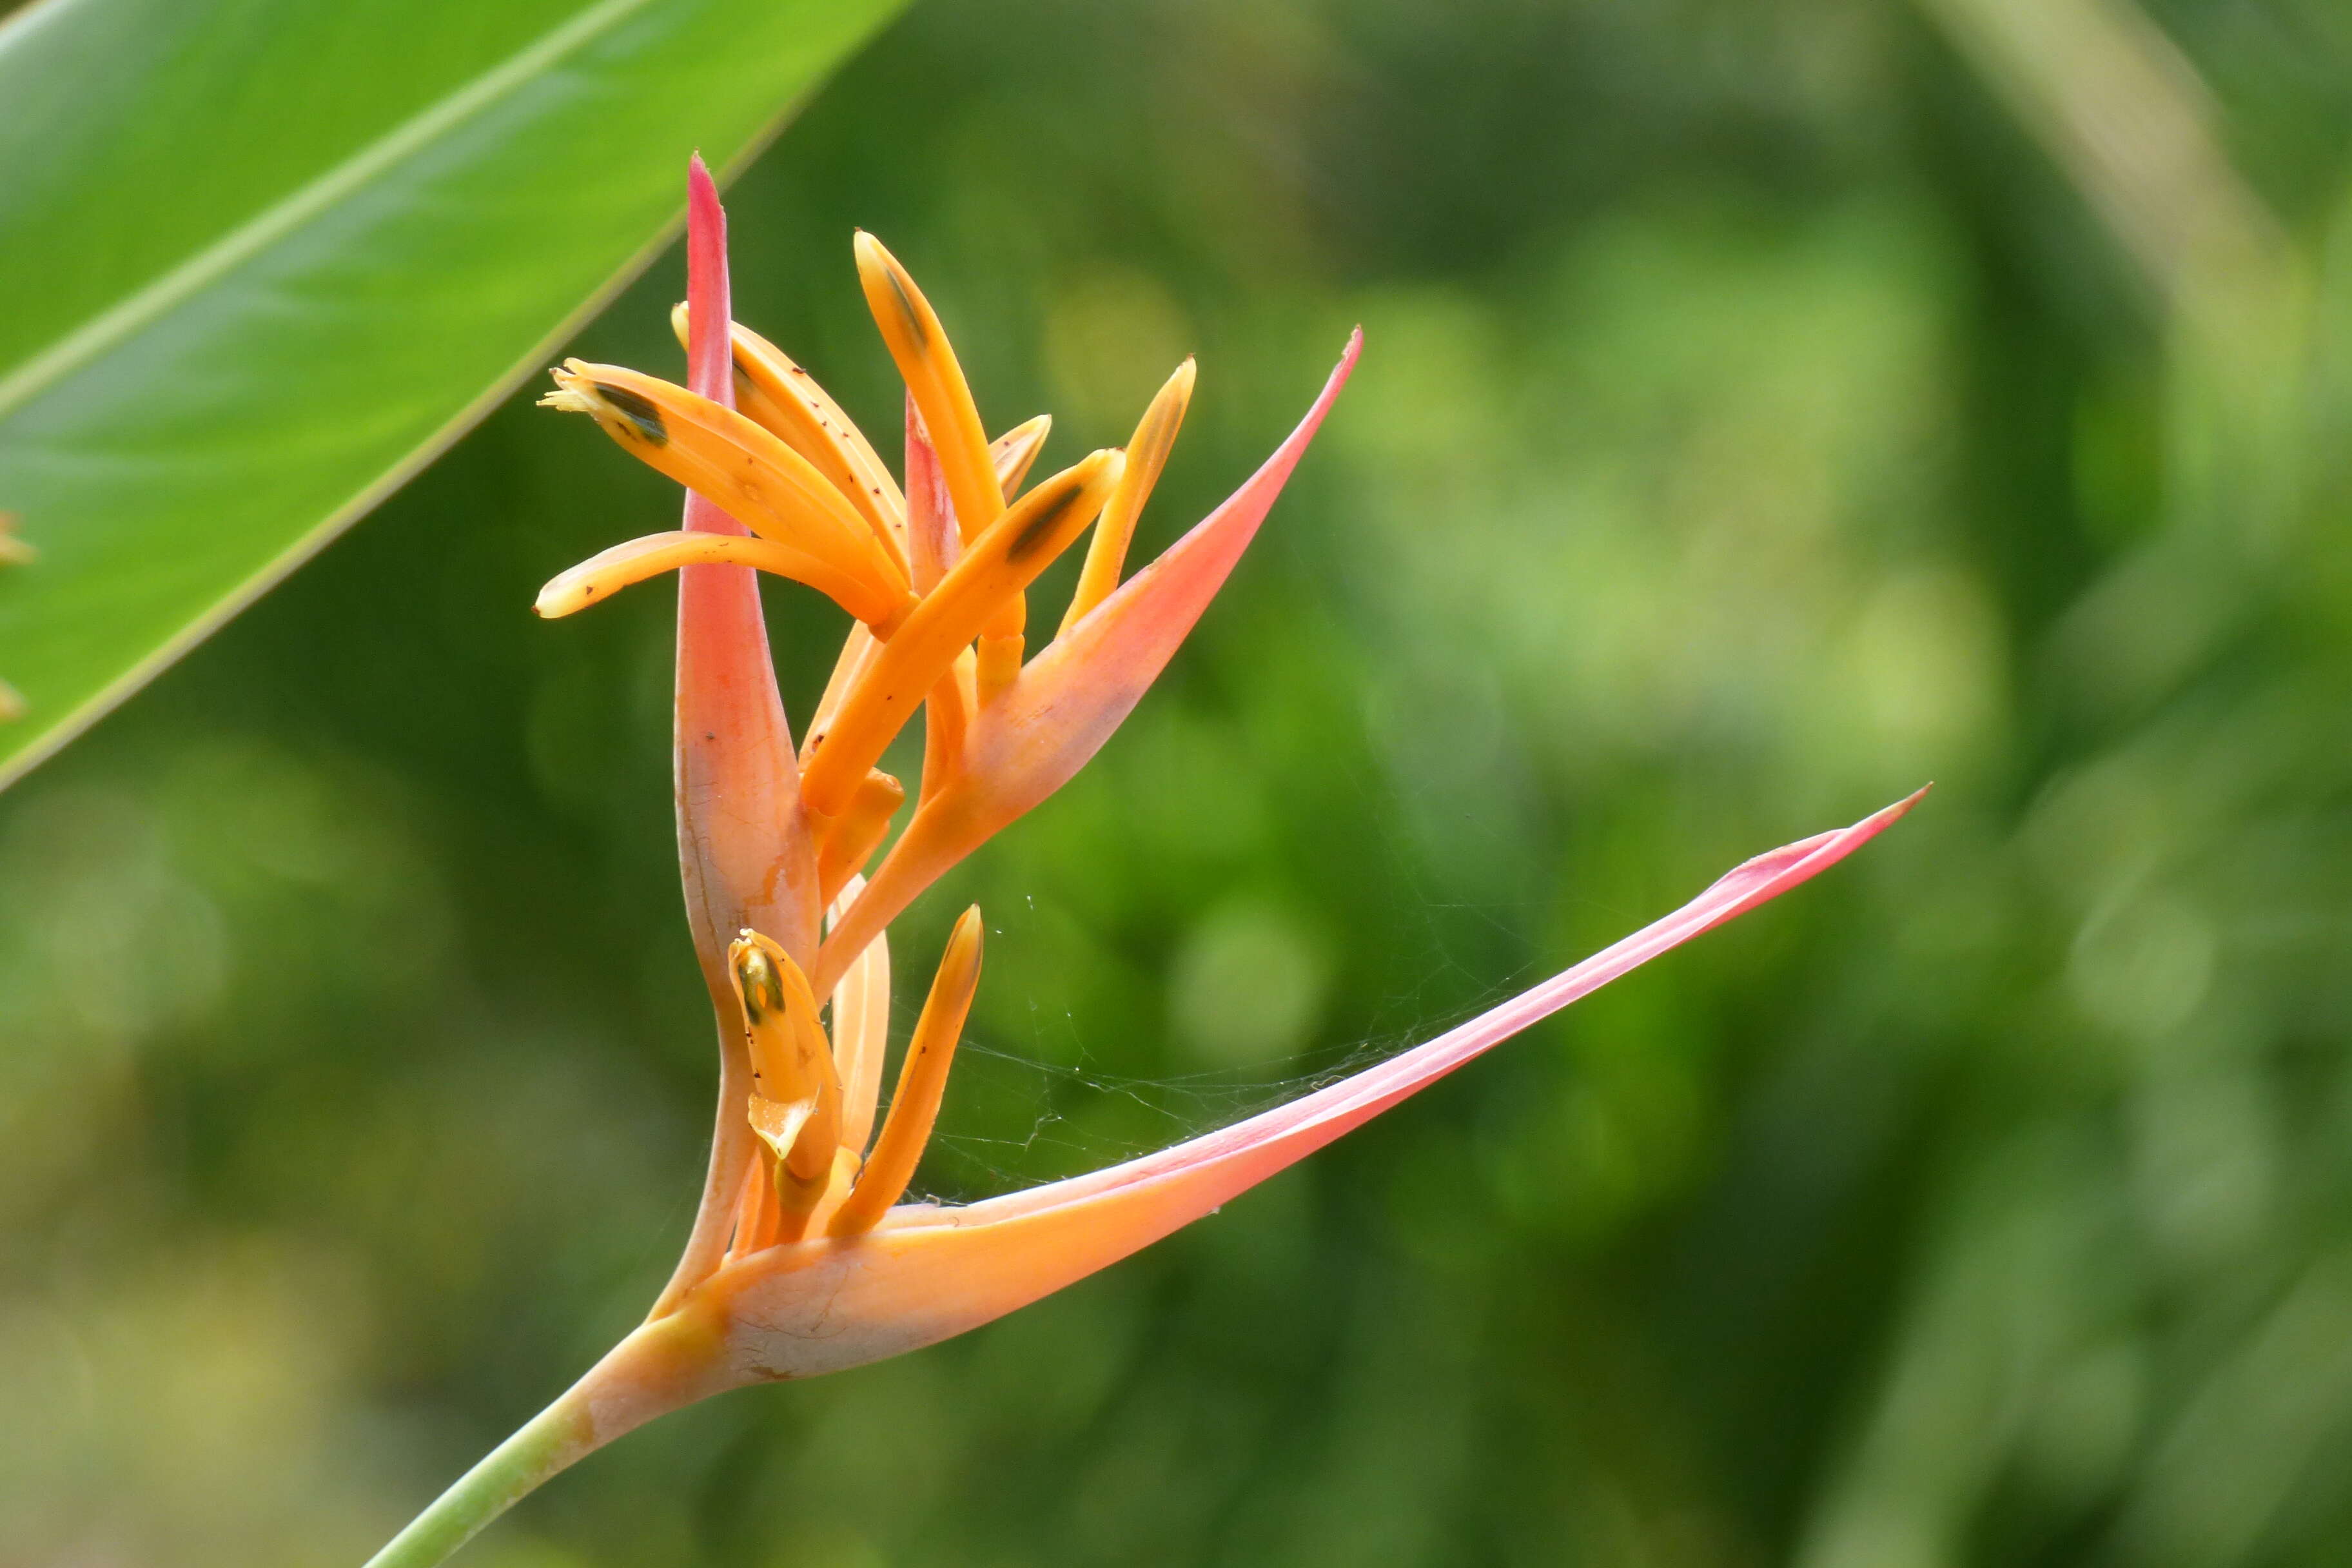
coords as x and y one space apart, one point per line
672 1361
551 1440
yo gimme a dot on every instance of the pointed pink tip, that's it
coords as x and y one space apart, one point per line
709 308
709 368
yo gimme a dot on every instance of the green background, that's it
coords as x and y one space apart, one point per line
1756 420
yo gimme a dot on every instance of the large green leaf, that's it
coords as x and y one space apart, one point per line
261 260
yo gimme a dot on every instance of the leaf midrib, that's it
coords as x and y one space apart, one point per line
110 326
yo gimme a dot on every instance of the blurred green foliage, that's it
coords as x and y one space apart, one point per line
1765 407
266 258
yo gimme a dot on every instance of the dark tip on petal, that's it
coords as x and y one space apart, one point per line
1041 527
638 411
759 985
912 318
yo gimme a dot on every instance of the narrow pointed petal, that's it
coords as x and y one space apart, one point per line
756 479
926 1273
927 363
1073 695
743 850
1013 451
633 560
848 840
1147 454
999 564
861 1031
777 395
1054 717
922 1080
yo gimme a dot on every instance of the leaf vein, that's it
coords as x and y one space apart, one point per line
109 328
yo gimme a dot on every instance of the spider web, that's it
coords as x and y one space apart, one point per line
1060 1109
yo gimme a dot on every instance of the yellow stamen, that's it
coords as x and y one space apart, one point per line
921 1082
774 393
1013 451
1000 562
1147 454
928 365
743 469
849 841
604 574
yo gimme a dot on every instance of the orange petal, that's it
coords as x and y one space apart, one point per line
1013 451
781 398
1074 693
1057 714
848 841
792 1061
1147 454
922 1079
608 572
794 1106
927 363
856 650
1000 562
755 477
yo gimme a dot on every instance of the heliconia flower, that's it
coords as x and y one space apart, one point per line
802 1259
